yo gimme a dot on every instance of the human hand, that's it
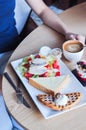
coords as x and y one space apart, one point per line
72 36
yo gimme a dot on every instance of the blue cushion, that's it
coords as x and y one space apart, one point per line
5 121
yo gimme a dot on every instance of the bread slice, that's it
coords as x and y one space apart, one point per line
50 85
48 100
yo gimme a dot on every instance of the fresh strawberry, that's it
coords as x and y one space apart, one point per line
26 65
81 63
83 79
47 66
79 74
55 65
44 75
57 73
29 59
28 75
37 56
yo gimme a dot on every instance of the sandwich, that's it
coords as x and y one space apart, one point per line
50 85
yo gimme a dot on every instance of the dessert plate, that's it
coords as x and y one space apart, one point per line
73 86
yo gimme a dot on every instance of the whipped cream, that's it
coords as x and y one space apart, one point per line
81 68
44 51
61 99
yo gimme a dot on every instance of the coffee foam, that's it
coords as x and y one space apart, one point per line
73 47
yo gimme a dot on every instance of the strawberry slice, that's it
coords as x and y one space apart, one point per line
28 75
57 73
29 59
26 65
37 56
47 66
44 75
55 65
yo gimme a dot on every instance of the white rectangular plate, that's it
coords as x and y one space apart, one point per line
73 86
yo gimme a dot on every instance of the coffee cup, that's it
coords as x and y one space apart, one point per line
73 50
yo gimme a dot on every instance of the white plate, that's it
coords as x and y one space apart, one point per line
72 86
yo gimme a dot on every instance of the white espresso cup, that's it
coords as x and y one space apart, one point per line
73 50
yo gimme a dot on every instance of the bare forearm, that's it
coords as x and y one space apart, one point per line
51 19
48 16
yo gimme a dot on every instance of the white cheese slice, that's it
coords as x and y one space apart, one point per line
50 84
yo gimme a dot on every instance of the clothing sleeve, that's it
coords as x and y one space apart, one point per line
22 11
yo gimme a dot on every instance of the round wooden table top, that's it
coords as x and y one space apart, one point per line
32 119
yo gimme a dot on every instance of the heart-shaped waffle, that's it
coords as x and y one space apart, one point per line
49 100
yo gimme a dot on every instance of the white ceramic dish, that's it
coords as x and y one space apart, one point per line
72 86
70 51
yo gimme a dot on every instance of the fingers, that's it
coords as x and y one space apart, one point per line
80 38
72 36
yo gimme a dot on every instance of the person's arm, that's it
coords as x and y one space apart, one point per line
48 16
51 19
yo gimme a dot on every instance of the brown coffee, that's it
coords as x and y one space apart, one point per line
73 47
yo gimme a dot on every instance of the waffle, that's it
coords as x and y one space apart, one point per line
49 101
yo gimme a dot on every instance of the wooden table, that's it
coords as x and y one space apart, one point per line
32 119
